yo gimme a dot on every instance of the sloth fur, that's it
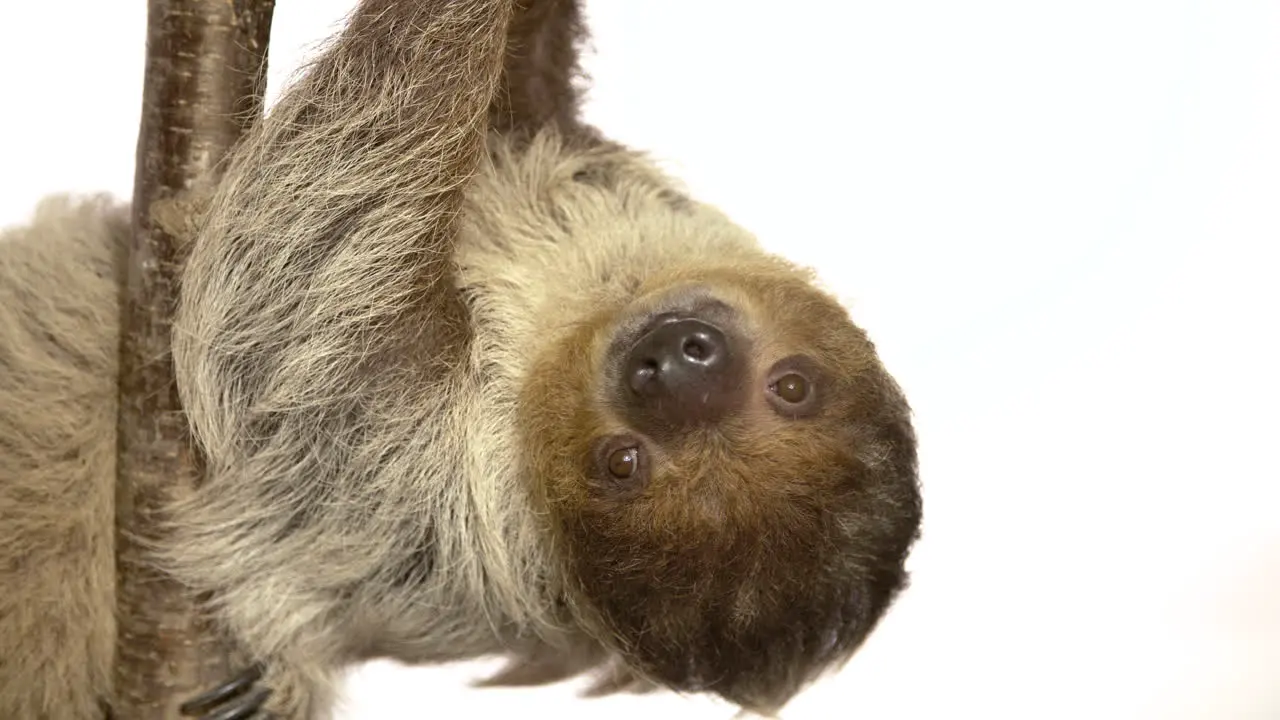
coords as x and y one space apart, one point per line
399 344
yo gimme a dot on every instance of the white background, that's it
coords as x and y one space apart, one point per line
1056 218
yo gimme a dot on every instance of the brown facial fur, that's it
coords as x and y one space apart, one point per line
758 552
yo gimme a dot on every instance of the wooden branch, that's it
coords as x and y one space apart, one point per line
204 84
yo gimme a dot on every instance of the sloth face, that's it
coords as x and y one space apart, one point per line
731 480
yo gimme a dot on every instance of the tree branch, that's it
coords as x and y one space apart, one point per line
204 84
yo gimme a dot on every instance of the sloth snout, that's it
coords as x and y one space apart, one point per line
684 371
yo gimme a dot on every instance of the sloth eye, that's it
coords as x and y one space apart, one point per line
619 466
792 388
624 462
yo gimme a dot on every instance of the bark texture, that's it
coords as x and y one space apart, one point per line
205 80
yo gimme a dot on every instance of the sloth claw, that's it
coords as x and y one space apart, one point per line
243 708
235 699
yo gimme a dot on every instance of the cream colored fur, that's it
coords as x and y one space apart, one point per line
59 280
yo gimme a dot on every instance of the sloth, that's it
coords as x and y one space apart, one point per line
468 378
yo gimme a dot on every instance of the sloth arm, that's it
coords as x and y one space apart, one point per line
353 181
318 299
540 68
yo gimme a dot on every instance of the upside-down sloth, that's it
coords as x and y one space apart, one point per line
468 378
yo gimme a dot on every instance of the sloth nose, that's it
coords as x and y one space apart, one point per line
685 372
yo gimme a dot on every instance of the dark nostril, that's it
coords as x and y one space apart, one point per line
694 349
642 375
703 345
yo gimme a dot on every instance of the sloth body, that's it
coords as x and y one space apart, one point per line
460 392
59 291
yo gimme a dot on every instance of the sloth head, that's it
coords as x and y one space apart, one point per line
730 476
